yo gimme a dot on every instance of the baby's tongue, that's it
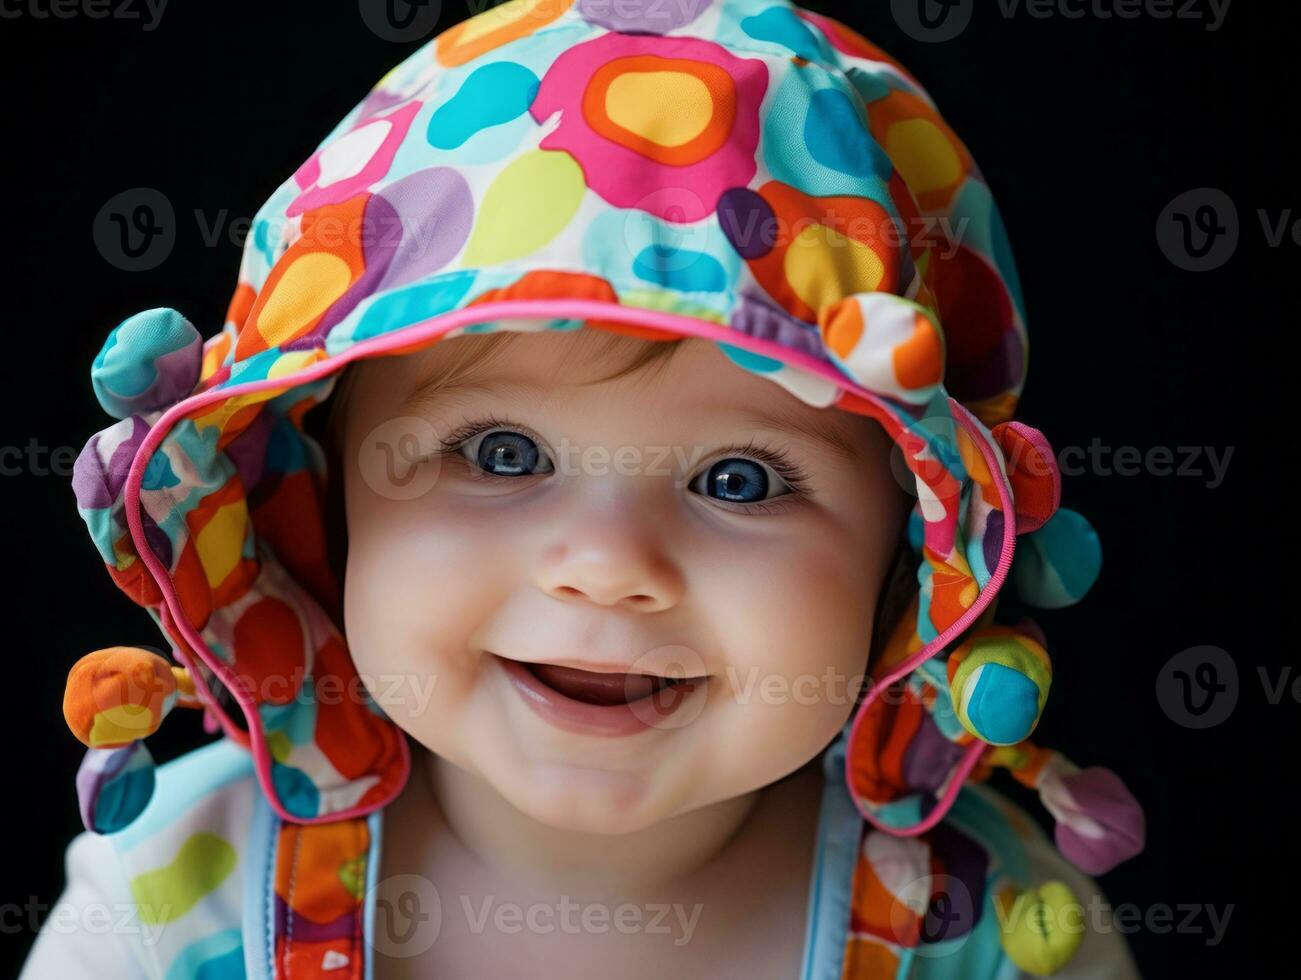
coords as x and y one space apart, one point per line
594 688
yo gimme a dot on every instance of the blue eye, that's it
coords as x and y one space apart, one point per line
736 480
504 453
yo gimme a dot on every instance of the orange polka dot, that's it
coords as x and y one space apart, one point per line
495 27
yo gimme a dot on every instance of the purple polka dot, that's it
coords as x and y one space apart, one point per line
431 212
748 222
756 318
642 16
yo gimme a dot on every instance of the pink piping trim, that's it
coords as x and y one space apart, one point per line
937 645
404 337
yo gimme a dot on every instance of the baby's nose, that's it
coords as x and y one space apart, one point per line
625 567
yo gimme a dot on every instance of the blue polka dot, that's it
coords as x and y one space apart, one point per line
414 304
817 142
219 956
871 86
492 95
680 269
295 790
159 474
1004 706
123 798
834 134
781 26
750 361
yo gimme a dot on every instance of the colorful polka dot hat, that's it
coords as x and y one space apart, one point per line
748 173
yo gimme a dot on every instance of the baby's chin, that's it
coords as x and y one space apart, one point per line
576 783
585 800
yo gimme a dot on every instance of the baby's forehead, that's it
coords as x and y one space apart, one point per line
695 385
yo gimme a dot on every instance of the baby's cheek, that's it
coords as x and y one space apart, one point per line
410 610
800 652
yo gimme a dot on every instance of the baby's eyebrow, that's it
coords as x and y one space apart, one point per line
818 427
436 390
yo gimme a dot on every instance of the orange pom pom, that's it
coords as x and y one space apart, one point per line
118 695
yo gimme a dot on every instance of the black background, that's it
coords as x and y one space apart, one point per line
1085 128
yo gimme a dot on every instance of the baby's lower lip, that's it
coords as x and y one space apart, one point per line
588 703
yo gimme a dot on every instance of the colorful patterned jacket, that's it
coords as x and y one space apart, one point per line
208 883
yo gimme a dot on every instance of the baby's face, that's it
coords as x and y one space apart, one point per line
521 599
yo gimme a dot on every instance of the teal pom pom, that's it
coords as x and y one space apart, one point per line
149 361
1057 565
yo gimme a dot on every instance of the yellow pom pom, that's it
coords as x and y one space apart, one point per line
1040 928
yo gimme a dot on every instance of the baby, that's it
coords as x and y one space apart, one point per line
585 533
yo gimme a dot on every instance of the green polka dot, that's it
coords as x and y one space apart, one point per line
352 874
200 866
279 745
525 207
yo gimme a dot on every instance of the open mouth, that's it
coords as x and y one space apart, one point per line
592 687
599 702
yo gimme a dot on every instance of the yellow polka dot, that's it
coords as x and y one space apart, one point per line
221 542
823 266
665 107
495 19
123 723
307 289
926 157
223 412
292 362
